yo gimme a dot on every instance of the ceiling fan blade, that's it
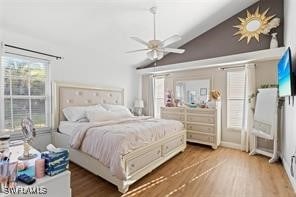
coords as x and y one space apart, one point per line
171 50
140 41
171 40
139 50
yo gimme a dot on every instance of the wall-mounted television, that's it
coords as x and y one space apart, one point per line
286 75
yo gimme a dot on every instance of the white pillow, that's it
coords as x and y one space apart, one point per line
83 120
101 116
76 113
119 109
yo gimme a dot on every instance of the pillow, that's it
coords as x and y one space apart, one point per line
76 113
83 120
101 116
119 109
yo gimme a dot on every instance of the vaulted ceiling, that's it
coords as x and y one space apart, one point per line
106 25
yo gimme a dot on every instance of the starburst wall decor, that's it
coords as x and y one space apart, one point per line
253 25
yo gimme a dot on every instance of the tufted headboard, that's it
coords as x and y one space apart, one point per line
69 94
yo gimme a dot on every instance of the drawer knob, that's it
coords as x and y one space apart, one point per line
167 147
158 152
190 127
133 165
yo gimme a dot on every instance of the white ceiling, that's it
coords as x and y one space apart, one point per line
106 25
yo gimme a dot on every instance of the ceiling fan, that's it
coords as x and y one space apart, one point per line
157 48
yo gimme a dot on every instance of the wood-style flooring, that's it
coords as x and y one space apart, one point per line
198 171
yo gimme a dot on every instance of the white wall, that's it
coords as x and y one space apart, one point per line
289 124
79 65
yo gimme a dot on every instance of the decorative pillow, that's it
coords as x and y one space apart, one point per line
101 116
76 113
118 109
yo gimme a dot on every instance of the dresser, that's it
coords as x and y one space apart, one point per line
203 125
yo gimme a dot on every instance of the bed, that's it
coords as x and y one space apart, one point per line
135 163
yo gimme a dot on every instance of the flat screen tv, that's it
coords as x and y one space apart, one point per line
285 75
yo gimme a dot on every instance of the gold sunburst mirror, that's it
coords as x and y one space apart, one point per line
253 25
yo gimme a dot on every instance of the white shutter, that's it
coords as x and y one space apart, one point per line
25 91
158 95
235 98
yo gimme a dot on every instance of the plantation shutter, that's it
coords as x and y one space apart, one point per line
235 98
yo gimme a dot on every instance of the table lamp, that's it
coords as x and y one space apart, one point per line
138 105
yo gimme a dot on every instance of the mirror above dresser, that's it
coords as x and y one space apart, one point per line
193 90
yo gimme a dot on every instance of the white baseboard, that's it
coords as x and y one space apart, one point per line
287 169
230 145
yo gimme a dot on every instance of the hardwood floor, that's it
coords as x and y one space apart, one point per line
198 171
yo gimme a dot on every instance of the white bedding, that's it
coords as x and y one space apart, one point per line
109 141
67 127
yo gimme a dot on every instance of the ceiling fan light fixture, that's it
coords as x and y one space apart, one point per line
155 55
160 55
158 48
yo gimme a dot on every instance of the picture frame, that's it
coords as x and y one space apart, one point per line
203 91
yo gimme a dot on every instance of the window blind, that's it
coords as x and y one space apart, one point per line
24 93
235 98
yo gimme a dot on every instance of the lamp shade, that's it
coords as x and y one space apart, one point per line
139 103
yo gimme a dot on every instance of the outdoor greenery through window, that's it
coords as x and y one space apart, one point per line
24 92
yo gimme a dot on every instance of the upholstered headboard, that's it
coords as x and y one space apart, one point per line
69 94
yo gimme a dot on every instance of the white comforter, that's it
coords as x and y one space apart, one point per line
108 141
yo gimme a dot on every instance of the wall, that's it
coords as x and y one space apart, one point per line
80 65
265 74
219 41
289 124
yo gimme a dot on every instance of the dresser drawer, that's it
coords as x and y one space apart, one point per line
172 110
179 117
200 137
201 128
201 111
202 119
143 160
172 144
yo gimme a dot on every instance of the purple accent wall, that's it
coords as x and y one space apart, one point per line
219 41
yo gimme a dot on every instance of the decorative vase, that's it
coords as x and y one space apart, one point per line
274 42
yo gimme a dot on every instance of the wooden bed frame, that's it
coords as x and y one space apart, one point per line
137 163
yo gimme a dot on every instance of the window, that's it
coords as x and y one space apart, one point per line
235 98
158 95
24 93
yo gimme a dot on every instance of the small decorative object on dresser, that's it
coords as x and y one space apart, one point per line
203 91
203 125
215 96
169 102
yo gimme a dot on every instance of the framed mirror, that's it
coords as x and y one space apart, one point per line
253 25
192 91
